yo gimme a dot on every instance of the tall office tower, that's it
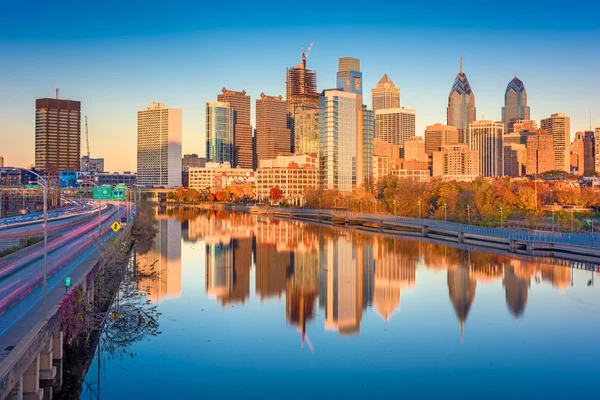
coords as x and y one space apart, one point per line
273 136
159 146
597 150
220 118
338 150
301 87
349 79
461 105
368 135
1 161
455 160
243 149
559 127
395 125
306 130
385 94
540 153
515 159
438 135
414 149
582 153
57 135
515 104
486 138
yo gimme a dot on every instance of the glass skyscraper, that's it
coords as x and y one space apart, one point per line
515 104
219 132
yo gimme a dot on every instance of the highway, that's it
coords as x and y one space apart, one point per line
21 274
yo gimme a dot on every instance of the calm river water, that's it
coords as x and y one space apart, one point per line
254 307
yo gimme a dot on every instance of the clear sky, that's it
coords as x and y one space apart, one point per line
116 57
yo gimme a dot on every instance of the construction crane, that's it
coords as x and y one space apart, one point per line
304 57
87 144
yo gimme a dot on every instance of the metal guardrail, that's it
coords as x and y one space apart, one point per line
573 239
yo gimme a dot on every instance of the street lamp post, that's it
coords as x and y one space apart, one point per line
552 219
395 207
468 214
572 230
445 212
501 210
419 209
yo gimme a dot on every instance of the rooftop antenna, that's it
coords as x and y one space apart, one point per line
57 90
461 70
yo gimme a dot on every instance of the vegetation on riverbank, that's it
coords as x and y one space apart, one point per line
29 241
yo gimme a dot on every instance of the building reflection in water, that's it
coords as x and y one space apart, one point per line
164 260
343 271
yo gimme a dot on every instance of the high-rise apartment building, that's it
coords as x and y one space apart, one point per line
395 125
306 130
455 160
338 139
243 150
220 132
438 135
159 146
273 137
583 153
385 94
461 105
540 153
515 159
57 135
486 138
515 104
524 125
559 127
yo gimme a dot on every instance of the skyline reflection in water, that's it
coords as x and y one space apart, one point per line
268 308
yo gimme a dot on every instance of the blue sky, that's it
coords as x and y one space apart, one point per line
116 57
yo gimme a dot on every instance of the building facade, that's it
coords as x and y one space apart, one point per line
414 149
273 137
395 125
515 159
306 130
515 105
583 153
461 105
455 160
291 174
214 175
524 125
486 137
540 153
415 175
559 127
57 135
243 141
385 94
438 135
192 160
91 164
105 178
338 137
159 146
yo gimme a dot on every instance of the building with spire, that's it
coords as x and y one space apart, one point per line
461 104
515 104
385 95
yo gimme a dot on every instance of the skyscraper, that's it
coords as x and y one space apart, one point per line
1 161
559 127
385 94
159 146
461 105
243 148
395 125
515 104
438 135
57 135
338 138
540 153
515 159
273 137
486 138
306 130
582 153
349 77
220 132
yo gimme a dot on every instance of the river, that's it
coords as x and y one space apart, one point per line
264 308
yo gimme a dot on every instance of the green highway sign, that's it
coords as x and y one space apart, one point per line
67 281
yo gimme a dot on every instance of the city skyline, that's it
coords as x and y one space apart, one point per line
108 70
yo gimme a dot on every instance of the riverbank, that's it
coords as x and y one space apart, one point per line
575 247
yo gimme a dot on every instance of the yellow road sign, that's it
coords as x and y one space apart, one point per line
115 226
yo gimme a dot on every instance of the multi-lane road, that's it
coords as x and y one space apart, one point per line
72 248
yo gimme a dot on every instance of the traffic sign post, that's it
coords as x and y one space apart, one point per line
115 226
